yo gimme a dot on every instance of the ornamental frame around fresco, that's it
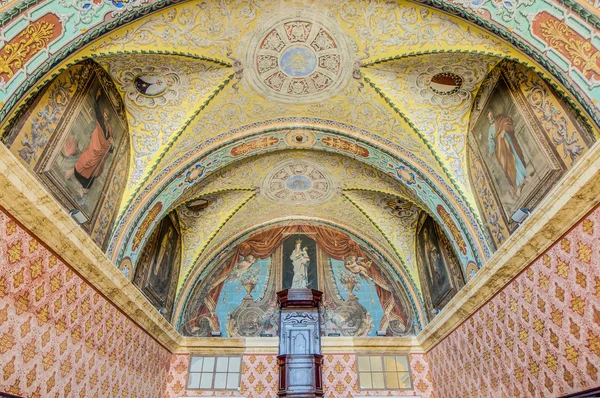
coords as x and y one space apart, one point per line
255 316
503 85
143 277
96 77
453 271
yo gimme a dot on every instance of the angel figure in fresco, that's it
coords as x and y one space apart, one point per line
392 314
503 142
243 266
358 266
300 261
90 163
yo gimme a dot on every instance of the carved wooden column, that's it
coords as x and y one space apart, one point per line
300 344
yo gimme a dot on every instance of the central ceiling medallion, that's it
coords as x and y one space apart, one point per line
298 182
298 61
303 58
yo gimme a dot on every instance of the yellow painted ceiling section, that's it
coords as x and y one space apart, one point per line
365 109
395 218
156 120
222 32
199 227
348 173
442 119
208 29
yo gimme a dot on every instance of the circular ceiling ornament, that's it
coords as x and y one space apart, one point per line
151 84
445 83
300 138
299 182
453 83
303 58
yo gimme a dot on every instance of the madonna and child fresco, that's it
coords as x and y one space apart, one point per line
237 295
299 272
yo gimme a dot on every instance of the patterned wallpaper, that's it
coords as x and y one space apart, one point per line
340 379
540 336
260 378
59 337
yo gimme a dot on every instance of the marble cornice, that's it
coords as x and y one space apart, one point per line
227 346
370 345
575 196
270 345
24 197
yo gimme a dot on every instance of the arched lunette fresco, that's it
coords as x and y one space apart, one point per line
407 284
430 190
521 24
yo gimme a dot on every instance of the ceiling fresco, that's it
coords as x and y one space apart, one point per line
356 115
231 250
200 223
337 211
213 26
395 218
229 111
440 116
236 207
413 187
160 107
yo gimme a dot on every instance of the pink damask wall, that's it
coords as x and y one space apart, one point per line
61 338
340 379
259 378
540 336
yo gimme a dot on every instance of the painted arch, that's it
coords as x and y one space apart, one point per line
192 291
431 192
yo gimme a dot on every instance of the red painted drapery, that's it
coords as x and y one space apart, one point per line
261 245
